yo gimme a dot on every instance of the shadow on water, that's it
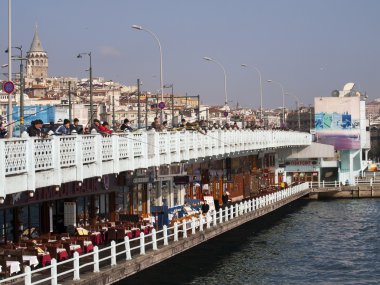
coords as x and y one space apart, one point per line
202 259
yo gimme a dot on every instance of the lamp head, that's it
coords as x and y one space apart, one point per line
244 65
137 27
79 56
269 80
207 58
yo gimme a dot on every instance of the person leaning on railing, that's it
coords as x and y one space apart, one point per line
65 129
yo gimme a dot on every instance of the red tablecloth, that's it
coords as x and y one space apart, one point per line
62 255
96 238
89 248
44 259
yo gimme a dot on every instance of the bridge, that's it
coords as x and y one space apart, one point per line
31 163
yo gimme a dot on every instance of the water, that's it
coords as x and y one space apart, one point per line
316 242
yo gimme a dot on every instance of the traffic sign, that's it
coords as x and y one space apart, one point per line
225 114
161 105
8 87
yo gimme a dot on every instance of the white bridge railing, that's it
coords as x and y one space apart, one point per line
31 163
130 248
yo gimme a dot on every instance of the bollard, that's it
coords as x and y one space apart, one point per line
220 216
154 239
113 253
175 231
28 276
96 259
165 231
184 229
76 266
127 249
53 272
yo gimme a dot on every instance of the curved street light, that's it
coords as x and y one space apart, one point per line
283 98
140 28
261 90
225 78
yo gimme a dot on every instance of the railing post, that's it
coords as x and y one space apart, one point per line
175 231
28 276
154 239
53 272
76 266
323 183
193 226
142 244
184 228
214 218
226 210
165 231
334 183
208 221
237 208
96 259
113 253
371 181
220 216
127 248
201 222
231 212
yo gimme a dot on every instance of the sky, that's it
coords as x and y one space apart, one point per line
311 47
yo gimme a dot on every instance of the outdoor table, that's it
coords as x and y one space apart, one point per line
96 238
33 260
76 247
62 254
88 246
44 258
14 266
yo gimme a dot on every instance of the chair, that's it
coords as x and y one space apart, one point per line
52 251
5 270
112 232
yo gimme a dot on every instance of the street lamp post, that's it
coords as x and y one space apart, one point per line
298 108
80 55
283 99
261 91
225 77
10 129
140 28
172 100
21 59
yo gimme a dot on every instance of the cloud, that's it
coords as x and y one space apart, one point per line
109 51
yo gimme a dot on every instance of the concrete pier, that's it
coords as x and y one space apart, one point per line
357 191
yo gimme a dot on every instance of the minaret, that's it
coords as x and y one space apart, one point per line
37 61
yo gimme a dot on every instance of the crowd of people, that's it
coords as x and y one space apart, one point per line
38 129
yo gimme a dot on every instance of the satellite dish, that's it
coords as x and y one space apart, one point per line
335 93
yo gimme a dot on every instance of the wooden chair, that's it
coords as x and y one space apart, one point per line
112 232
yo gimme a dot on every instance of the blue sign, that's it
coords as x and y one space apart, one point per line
8 87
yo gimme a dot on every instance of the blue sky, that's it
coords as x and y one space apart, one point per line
311 46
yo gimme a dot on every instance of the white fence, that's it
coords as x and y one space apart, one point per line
138 246
31 163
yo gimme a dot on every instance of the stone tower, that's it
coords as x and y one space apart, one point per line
37 61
